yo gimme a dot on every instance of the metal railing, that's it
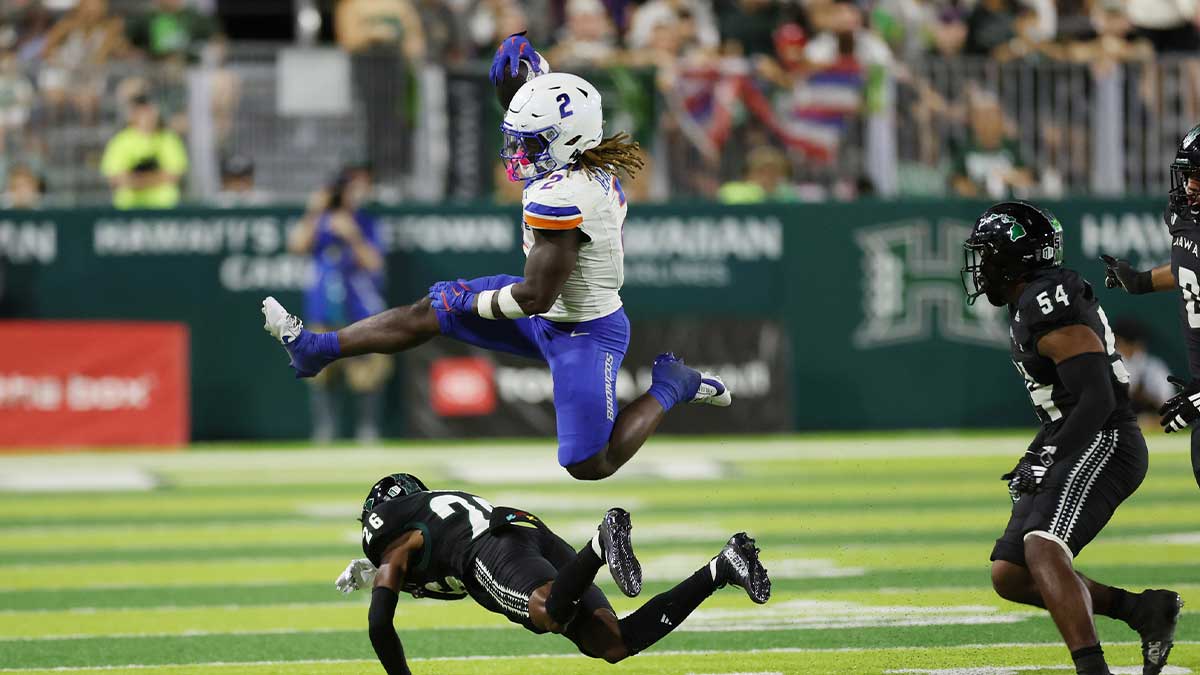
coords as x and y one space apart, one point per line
430 133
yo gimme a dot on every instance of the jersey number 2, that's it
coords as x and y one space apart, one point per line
564 105
479 513
1189 285
375 522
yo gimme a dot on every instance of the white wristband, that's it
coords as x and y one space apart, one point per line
509 306
484 308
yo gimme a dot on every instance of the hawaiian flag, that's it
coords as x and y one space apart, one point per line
815 114
810 118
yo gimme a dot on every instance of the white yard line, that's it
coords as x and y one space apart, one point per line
353 460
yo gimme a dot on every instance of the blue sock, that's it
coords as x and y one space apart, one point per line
313 351
666 396
326 345
673 383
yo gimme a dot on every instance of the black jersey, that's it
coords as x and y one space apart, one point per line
1185 265
1052 299
450 522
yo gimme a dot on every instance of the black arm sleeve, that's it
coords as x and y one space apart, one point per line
1089 377
383 634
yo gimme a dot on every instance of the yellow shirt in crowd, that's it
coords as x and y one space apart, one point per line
132 147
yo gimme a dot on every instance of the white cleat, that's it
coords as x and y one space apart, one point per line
713 391
281 325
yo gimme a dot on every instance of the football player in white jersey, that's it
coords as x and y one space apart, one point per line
566 310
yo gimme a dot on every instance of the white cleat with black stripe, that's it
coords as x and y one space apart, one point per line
713 391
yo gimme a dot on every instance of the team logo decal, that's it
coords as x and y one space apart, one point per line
912 290
1187 140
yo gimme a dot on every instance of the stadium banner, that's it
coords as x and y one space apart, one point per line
456 390
90 383
867 295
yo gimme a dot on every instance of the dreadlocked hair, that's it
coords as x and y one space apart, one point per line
615 153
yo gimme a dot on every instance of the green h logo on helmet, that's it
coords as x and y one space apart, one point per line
1016 231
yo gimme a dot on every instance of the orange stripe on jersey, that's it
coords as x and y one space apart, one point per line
540 223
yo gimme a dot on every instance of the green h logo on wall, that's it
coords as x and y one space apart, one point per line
912 289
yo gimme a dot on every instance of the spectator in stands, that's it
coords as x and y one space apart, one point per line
383 37
1028 42
948 30
75 56
845 36
1109 40
344 242
587 40
1148 385
843 63
1074 22
16 97
674 51
767 180
24 25
989 163
903 25
990 25
144 162
237 184
647 17
747 25
1170 25
443 31
172 31
487 22
23 188
1173 27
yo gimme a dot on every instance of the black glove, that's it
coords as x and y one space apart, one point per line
1027 475
1121 274
1182 409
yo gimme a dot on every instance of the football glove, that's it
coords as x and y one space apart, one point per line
358 574
508 58
1120 274
1183 409
453 296
1029 472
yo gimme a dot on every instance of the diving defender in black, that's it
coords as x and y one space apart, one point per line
448 545
1089 455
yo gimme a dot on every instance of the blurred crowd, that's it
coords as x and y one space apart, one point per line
770 96
88 92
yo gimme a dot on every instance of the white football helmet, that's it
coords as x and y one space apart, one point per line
550 121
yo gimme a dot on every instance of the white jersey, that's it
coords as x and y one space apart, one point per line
591 200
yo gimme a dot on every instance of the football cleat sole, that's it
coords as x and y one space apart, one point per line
623 565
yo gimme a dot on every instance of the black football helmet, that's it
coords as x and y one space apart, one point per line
1010 241
390 487
1186 165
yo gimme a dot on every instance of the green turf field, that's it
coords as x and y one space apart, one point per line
222 560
